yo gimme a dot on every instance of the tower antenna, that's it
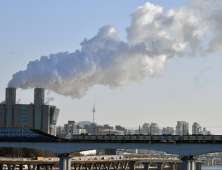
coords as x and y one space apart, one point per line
94 110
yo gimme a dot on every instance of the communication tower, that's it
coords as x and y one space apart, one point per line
94 110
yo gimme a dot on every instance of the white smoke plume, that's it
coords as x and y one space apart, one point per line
153 38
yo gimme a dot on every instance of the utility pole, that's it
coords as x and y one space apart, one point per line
98 130
59 132
72 130
139 132
150 130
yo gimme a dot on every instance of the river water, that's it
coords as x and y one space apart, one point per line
216 167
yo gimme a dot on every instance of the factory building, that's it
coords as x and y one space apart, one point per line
37 115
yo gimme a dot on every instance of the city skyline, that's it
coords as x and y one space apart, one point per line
189 90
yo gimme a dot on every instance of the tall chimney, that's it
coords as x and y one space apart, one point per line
39 97
10 96
10 99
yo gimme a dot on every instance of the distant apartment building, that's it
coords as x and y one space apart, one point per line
197 129
37 115
146 129
206 132
154 129
94 129
182 128
71 128
168 130
120 128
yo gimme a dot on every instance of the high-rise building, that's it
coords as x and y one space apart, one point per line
155 129
206 132
168 130
93 129
196 128
182 128
37 115
146 129
120 128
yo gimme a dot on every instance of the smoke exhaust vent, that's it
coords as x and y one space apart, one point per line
39 97
10 96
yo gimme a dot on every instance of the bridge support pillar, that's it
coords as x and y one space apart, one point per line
52 167
132 165
64 162
9 167
38 167
146 165
188 163
68 159
172 165
29 167
21 167
159 166
34 167
198 166
1 166
47 167
212 162
14 166
179 166
192 165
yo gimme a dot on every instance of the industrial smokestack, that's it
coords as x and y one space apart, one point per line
10 97
39 97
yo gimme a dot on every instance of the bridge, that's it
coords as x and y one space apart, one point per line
36 139
106 164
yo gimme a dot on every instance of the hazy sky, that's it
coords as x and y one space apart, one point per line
190 88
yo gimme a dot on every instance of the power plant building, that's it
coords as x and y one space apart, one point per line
37 115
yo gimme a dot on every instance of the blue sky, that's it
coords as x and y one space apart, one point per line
190 88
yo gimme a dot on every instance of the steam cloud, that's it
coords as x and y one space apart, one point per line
153 38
